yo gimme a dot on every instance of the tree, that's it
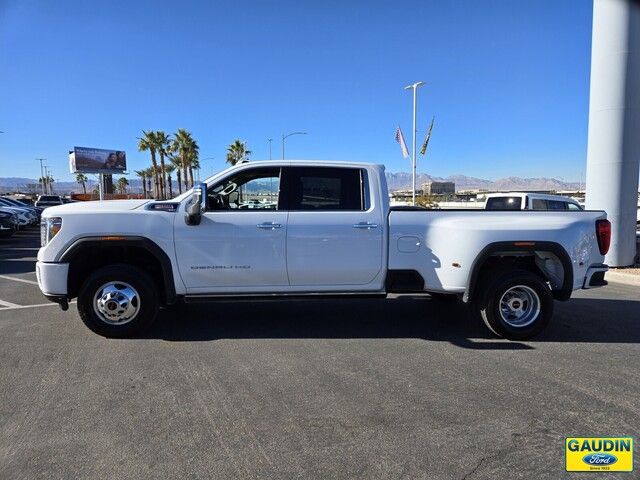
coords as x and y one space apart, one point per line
186 149
122 185
427 201
168 169
194 164
149 177
143 176
237 152
82 179
49 184
149 142
162 144
177 164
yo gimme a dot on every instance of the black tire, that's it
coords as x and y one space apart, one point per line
520 282
147 308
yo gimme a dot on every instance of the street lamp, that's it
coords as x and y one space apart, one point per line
287 136
414 87
269 140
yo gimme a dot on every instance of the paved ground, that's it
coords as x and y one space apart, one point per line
398 388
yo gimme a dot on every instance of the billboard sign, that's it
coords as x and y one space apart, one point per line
97 160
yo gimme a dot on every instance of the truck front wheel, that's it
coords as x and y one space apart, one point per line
517 305
118 301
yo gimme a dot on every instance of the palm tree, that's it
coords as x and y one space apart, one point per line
49 181
143 176
168 169
177 165
162 144
194 164
148 142
81 178
122 185
237 152
149 176
186 149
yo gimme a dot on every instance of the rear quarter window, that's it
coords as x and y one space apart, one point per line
504 203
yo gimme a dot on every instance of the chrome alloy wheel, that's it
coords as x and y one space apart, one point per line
116 303
519 306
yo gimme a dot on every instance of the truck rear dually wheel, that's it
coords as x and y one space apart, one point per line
118 301
517 305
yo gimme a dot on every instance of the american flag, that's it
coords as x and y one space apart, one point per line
403 144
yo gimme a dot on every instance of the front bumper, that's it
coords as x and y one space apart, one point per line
52 278
595 276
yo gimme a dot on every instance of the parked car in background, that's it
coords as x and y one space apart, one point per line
8 223
529 201
45 201
32 214
30 208
24 215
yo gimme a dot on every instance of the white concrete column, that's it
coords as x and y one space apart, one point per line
613 152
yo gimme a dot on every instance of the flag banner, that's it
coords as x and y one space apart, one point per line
423 150
403 144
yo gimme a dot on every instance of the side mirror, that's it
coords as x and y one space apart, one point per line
197 206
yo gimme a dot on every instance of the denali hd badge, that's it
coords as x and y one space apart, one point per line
599 454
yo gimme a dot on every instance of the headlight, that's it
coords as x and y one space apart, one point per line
49 227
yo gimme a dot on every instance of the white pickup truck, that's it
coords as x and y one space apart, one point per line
314 228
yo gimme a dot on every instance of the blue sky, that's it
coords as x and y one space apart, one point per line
508 81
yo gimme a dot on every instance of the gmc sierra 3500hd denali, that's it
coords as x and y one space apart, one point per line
296 228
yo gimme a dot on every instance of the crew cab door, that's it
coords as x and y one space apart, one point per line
240 242
334 233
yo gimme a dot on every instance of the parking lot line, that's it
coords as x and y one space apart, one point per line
9 304
32 282
13 306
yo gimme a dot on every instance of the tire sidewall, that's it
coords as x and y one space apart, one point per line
135 277
490 309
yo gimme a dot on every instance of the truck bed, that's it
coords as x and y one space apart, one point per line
442 245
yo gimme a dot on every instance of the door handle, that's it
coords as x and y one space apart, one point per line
269 225
366 225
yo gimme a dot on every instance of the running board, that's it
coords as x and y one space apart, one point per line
207 297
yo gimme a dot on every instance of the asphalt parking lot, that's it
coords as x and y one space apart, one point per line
400 388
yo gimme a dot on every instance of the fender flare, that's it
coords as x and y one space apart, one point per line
128 241
564 293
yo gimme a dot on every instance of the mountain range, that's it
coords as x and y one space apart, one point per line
402 181
395 180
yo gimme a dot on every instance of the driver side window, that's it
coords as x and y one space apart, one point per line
251 189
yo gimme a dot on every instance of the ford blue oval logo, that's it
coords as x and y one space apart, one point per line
599 459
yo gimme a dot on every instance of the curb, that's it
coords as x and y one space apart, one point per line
624 278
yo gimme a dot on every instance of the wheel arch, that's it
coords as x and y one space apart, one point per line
515 249
140 251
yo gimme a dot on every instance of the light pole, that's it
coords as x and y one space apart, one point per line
269 140
41 172
414 87
287 136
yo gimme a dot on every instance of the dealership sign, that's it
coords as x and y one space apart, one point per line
97 160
